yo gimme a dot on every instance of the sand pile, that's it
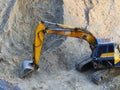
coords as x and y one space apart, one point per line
18 21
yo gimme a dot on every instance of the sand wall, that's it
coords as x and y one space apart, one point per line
18 20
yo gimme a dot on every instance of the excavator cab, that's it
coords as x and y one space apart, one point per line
103 54
103 49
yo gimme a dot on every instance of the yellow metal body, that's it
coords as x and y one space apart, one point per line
117 58
38 41
77 34
71 32
107 54
117 55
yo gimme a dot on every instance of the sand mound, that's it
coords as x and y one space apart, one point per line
19 19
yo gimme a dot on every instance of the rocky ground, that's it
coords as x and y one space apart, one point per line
18 20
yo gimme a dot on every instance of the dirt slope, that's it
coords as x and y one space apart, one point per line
18 19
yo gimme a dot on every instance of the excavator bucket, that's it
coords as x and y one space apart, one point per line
26 68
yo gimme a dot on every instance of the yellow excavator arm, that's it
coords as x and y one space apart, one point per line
59 29
53 28
103 50
38 42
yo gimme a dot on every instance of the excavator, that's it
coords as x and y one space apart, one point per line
105 56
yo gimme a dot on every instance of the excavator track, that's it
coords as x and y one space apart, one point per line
84 65
103 75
